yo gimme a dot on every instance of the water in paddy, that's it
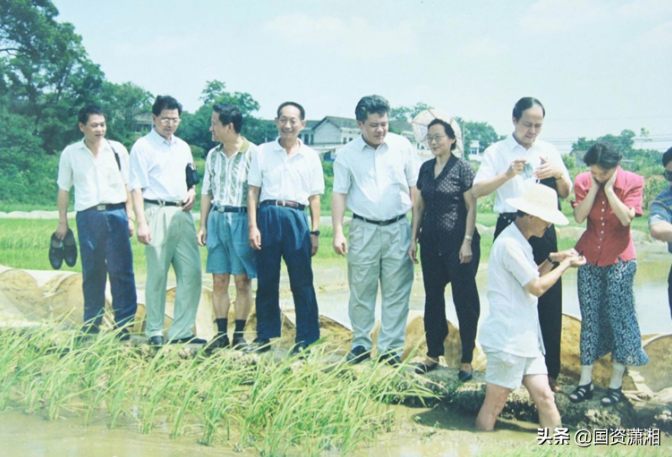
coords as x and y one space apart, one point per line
423 432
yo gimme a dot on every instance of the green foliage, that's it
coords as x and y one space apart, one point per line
407 113
482 132
123 103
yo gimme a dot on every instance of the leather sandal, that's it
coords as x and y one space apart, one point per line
612 396
582 393
423 368
464 376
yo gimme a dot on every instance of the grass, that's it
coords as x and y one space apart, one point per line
281 407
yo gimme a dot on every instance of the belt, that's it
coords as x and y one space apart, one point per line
163 203
387 222
286 203
230 209
107 207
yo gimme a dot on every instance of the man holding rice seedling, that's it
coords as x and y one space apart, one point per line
511 334
99 170
375 176
285 177
163 185
223 226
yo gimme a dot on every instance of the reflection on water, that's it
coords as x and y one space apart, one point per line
653 265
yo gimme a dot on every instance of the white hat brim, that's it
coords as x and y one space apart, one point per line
551 215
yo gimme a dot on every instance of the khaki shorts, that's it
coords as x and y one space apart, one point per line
507 370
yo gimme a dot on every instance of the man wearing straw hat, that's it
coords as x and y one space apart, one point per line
511 334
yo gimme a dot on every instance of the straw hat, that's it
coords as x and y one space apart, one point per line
540 201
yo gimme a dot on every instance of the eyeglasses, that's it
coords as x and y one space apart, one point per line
435 138
166 120
667 175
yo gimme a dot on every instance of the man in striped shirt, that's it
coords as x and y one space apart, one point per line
223 227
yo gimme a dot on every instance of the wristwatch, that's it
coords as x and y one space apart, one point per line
315 232
552 262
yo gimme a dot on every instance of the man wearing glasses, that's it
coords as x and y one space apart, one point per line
660 220
163 202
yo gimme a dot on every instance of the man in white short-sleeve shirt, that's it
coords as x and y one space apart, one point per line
508 168
98 168
510 335
285 177
163 200
375 176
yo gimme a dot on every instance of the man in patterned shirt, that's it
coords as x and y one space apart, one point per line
660 220
223 227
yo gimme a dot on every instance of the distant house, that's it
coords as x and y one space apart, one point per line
329 135
142 123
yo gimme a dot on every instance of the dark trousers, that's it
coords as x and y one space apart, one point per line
550 304
437 271
105 248
669 290
285 234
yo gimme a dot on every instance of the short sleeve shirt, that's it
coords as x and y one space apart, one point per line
661 210
158 167
497 159
606 240
377 181
445 217
513 323
97 180
225 179
283 177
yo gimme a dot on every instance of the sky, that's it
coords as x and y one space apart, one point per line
598 66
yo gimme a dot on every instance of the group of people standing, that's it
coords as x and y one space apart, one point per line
253 215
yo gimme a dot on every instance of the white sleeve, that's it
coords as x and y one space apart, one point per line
487 168
254 175
342 179
138 172
316 177
65 178
124 161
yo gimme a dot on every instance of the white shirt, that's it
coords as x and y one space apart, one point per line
513 323
497 159
377 181
97 180
158 167
283 177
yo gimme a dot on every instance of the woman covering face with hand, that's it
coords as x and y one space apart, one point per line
609 198
445 210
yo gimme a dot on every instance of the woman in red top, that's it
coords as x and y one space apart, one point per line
610 198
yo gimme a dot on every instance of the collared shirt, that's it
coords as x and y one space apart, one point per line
445 218
158 167
606 240
377 181
661 210
226 178
497 159
513 323
97 180
283 177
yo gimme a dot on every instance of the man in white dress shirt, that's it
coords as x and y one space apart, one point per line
375 176
98 168
285 177
508 168
165 226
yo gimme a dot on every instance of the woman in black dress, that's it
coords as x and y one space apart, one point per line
445 210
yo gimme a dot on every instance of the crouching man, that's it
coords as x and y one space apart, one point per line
511 334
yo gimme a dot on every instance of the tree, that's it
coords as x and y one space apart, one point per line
123 103
407 113
45 72
482 132
194 128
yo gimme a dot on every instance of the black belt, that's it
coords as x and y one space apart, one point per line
230 209
286 203
163 203
106 207
387 222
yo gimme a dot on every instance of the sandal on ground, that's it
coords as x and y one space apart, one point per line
612 396
423 368
464 376
582 393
